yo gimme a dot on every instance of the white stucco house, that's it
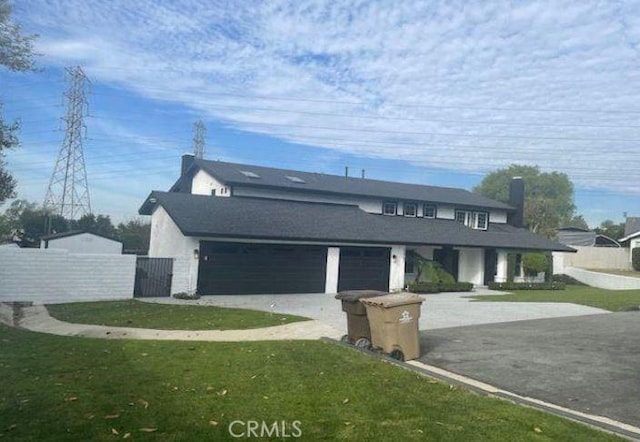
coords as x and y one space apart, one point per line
238 228
78 241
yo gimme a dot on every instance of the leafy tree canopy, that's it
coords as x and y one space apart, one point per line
16 54
611 229
548 196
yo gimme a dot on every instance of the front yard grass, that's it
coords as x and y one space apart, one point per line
66 388
132 313
613 300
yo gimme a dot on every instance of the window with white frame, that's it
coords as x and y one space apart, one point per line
410 209
389 208
475 220
429 211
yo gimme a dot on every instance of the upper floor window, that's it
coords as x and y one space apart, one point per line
389 208
429 211
475 220
410 209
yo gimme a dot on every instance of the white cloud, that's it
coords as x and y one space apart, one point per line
444 70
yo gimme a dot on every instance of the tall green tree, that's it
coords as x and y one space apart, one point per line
16 54
135 235
611 229
100 224
548 196
27 222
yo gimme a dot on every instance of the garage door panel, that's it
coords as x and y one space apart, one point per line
237 268
364 268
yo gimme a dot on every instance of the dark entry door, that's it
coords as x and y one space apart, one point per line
490 265
364 268
153 277
227 268
448 259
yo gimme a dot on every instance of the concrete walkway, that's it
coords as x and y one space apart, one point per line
36 318
442 310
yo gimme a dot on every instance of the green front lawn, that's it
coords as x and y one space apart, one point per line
614 300
63 388
166 316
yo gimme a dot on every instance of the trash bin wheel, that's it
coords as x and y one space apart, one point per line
345 338
397 354
363 343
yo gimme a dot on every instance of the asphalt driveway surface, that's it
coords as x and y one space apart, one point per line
586 363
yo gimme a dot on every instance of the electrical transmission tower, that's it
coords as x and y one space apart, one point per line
68 191
200 132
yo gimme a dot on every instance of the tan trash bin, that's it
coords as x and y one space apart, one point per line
394 324
358 332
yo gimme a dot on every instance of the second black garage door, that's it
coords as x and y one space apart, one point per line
364 268
238 268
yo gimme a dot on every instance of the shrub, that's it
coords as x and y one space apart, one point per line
635 258
527 286
566 279
534 263
431 287
187 296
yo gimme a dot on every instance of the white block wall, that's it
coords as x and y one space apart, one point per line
50 275
603 280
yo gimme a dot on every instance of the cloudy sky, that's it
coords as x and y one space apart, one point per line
430 92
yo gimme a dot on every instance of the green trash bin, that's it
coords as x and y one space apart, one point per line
394 324
358 331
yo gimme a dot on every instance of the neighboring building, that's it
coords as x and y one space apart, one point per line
81 242
577 236
237 228
631 234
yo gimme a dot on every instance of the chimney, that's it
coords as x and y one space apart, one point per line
516 199
187 161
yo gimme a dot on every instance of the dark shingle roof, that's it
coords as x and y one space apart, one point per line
632 225
236 217
231 173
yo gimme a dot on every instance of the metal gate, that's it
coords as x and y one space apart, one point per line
153 277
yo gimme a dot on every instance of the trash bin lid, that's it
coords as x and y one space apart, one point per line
393 300
355 295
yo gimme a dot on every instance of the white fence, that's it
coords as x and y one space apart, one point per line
606 258
50 275
603 280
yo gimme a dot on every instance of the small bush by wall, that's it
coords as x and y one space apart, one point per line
187 296
430 287
635 259
527 286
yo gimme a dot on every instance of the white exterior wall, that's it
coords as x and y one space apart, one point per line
498 216
84 243
55 275
333 270
396 271
446 212
203 184
604 280
588 257
167 241
471 266
503 266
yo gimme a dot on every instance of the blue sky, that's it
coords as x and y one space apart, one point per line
432 92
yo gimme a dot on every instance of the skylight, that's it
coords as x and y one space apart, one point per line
249 174
295 179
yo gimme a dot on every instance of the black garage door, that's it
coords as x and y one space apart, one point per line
364 268
237 268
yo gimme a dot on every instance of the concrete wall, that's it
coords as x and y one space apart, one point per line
205 184
167 241
84 243
612 258
53 275
471 266
603 280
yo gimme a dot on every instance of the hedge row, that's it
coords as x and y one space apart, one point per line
432 287
527 286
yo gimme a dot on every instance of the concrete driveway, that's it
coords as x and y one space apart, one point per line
586 363
438 311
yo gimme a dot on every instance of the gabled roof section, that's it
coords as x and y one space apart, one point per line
235 174
75 233
261 218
